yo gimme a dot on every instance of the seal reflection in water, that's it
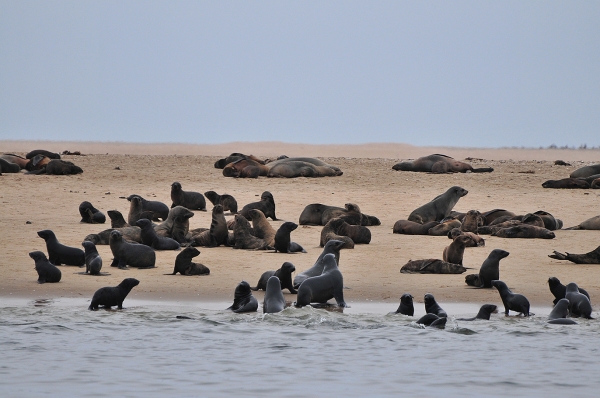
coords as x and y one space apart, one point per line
111 296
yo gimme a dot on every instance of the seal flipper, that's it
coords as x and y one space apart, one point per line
482 170
295 248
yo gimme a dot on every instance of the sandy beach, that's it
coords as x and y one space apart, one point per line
371 272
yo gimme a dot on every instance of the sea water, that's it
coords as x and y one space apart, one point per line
60 348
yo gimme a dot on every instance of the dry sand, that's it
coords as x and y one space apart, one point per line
371 272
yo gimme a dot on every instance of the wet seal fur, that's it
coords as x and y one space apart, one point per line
266 205
321 288
58 253
511 301
47 272
150 238
438 163
439 208
185 266
273 301
227 201
111 296
243 300
284 274
432 320
579 303
159 209
484 313
432 307
489 271
431 266
406 305
89 214
283 241
133 254
559 290
93 261
331 247
189 199
592 257
558 315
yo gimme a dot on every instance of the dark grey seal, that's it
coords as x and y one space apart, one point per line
243 300
188 199
484 313
283 240
489 271
93 261
273 300
284 274
47 272
512 301
89 214
406 305
439 208
158 209
58 253
185 266
333 247
432 307
433 320
558 315
266 205
328 285
579 303
227 201
559 290
150 238
134 254
111 296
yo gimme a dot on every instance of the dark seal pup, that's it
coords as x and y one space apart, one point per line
284 274
432 320
159 209
243 300
406 305
134 254
484 313
116 219
334 247
89 214
188 199
111 296
216 235
489 271
227 201
185 266
512 301
558 315
439 208
48 154
432 307
328 285
266 205
58 253
93 261
47 272
431 266
283 240
559 290
579 303
273 301
592 257
150 238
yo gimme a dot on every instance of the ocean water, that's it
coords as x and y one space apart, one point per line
59 348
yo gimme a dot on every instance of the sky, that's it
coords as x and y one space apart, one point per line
452 73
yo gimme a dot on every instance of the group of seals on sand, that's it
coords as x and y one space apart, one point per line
583 178
247 166
38 162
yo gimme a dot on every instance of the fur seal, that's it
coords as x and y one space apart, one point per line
89 214
136 210
221 163
328 285
176 225
558 315
472 220
406 305
331 247
413 228
131 234
58 167
48 154
592 257
185 266
110 296
491 215
150 238
438 163
245 168
489 271
586 171
444 227
550 222
511 301
244 239
93 261
116 219
227 201
217 234
590 224
301 167
439 208
431 266
476 240
58 253
595 184
339 229
455 251
432 307
484 313
8 167
188 199
134 254
525 231
273 300
261 227
243 300
432 320
320 214
159 209
567 183
284 274
283 241
579 303
266 205
559 290
47 272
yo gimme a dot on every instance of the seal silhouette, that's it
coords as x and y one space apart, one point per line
328 285
58 253
111 296
273 300
227 201
47 272
89 214
559 290
284 274
484 313
243 300
511 301
93 261
150 238
489 271
579 303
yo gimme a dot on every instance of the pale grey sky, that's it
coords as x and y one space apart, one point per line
460 73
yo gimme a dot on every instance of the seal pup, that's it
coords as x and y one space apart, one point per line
476 240
136 210
525 231
333 247
432 307
567 183
550 222
58 253
131 234
413 228
472 220
134 254
243 300
47 272
455 251
559 290
261 227
319 289
266 205
116 219
176 225
273 300
110 296
185 266
592 257
339 229
489 271
484 313
589 224
284 274
93 261
558 315
431 266
511 301
579 303
406 305
439 208
159 209
216 235
188 199
244 239
283 241
433 320
150 238
89 214
227 201
444 227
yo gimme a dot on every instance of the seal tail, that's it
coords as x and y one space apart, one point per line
483 170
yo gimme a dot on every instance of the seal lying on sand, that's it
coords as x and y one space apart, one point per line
438 163
586 171
221 163
243 300
8 167
130 234
89 214
590 224
339 229
320 214
185 266
525 231
321 288
439 208
413 228
567 183
284 274
58 167
592 257
476 240
431 266
47 272
111 296
512 301
48 154
58 253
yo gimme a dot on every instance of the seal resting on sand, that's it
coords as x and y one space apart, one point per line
592 257
134 254
185 266
227 201
431 266
525 231
266 205
439 208
567 183
586 171
188 199
320 214
413 228
110 296
438 163
159 209
589 224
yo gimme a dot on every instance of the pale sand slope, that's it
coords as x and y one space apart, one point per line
371 272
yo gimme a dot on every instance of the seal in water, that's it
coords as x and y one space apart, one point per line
438 163
185 266
110 296
89 214
439 208
58 253
592 257
243 300
134 254
284 274
433 320
406 305
47 272
150 238
432 307
579 303
512 301
484 313
559 290
283 240
431 266
328 285
188 199
227 201
93 261
558 315
489 271
266 205
274 300
159 209
333 247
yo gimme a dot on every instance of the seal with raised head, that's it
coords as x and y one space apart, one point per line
320 214
47 272
525 231
283 241
111 296
89 214
484 313
579 303
136 210
472 220
243 300
134 254
273 301
455 251
432 307
328 285
185 266
93 261
406 305
266 205
586 171
444 227
331 247
439 208
159 209
589 224
150 238
189 199
592 257
131 234
244 239
216 235
558 315
511 301
489 271
413 228
284 274
438 163
58 253
116 219
559 290
261 227
476 240
339 229
227 201
176 225
431 266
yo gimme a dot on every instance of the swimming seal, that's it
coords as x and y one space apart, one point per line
432 307
283 241
328 285
559 290
484 313
185 266
431 266
284 274
586 171
89 214
188 199
227 201
589 224
558 315
438 163
243 300
273 300
58 253
432 320
406 305
511 301
579 303
150 238
320 214
47 272
439 208
111 296
216 235
489 271
413 228
266 205
331 247
592 257
159 209
134 254
455 251
93 261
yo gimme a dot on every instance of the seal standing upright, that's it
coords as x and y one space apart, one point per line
328 285
93 261
110 296
60 254
512 301
406 305
188 199
266 205
283 241
489 271
439 208
47 272
274 300
185 266
284 274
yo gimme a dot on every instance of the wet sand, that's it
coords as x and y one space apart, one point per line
371 272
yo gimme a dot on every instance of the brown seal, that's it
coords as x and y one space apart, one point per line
7 166
14 160
525 231
244 239
595 184
476 240
131 234
413 228
227 201
431 266
221 163
266 205
590 224
567 183
177 225
136 210
57 167
320 214
472 220
438 163
302 167
261 227
490 216
338 229
216 235
455 251
444 227
245 168
550 222
592 257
